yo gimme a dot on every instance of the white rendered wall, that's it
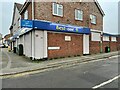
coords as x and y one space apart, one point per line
27 44
40 44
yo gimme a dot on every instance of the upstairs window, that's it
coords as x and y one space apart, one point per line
78 14
93 19
57 9
26 14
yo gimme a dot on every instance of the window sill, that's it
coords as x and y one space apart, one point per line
57 15
79 20
93 23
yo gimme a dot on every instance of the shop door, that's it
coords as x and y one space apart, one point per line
85 44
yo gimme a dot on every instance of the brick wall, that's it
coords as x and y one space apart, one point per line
113 46
105 44
67 48
118 42
43 11
94 47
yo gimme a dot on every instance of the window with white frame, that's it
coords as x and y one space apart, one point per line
95 36
57 9
113 39
93 19
78 14
26 14
106 38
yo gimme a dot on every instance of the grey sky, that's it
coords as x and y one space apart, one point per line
110 8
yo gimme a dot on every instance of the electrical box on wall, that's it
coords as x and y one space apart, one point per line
67 38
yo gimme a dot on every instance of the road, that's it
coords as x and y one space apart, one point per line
101 74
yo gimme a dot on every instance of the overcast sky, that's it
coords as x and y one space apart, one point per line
110 7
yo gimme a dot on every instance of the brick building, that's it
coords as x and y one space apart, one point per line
61 29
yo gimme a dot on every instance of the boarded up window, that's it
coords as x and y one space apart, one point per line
106 38
95 36
113 39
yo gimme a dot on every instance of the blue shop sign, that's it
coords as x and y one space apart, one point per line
49 26
27 23
69 28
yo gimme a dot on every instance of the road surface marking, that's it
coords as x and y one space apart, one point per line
106 82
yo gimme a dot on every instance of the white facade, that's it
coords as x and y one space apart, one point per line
16 21
34 44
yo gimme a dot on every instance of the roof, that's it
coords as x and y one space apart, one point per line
18 5
108 34
99 7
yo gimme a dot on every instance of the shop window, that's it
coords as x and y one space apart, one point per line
113 39
93 19
57 9
95 36
78 14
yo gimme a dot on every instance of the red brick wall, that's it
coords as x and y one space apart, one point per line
94 47
118 43
113 46
43 11
105 44
67 48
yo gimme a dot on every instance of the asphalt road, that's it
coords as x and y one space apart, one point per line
81 76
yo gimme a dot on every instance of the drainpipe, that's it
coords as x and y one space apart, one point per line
33 41
32 9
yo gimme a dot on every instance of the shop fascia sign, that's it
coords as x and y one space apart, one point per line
42 25
66 28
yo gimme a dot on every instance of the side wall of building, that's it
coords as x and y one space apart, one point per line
64 48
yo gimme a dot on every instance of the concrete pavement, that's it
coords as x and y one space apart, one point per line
19 64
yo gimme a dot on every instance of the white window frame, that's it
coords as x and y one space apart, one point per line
113 39
78 14
59 8
106 38
93 19
26 14
95 36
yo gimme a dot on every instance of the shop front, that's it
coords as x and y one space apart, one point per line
43 39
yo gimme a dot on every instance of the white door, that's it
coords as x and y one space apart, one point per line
39 44
85 44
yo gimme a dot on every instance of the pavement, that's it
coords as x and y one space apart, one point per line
15 64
